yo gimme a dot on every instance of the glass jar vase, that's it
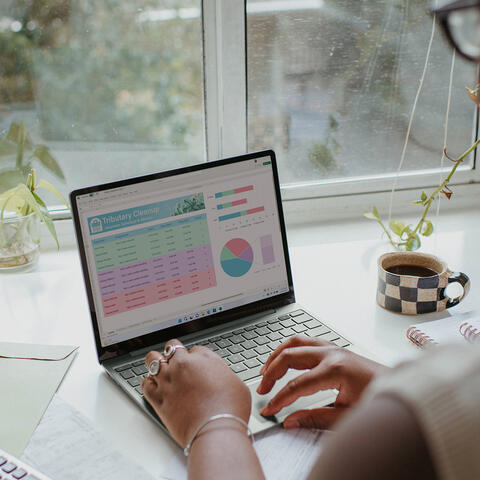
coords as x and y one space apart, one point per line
19 241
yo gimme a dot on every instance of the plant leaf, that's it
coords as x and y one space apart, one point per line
11 202
23 192
13 132
448 193
423 199
29 183
47 219
474 95
397 227
413 243
406 232
7 147
5 203
375 212
15 135
48 186
40 202
369 215
39 209
48 161
427 228
22 133
10 179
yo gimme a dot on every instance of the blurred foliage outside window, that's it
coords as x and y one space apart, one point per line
120 82
114 88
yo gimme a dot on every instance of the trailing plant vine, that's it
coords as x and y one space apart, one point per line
404 236
407 236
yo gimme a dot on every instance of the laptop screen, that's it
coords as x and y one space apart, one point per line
167 250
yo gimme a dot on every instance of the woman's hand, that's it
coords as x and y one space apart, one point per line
328 367
191 387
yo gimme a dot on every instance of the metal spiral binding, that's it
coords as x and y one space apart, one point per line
419 338
471 333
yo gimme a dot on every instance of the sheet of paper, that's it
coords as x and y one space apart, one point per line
27 388
284 454
66 446
447 330
289 454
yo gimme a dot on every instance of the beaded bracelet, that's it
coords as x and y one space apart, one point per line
186 450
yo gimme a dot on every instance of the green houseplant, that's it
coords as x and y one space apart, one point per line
21 207
21 210
18 151
407 237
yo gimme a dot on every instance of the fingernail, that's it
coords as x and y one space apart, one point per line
268 409
264 387
290 423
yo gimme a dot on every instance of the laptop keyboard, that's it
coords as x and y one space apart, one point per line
246 349
11 468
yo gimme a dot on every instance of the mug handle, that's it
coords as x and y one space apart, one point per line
464 281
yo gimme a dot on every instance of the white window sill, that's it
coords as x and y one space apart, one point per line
330 220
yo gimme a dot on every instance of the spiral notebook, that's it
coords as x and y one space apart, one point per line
455 329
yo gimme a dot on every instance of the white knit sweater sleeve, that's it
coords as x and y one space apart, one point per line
442 388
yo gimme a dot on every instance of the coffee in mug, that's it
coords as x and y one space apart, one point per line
414 283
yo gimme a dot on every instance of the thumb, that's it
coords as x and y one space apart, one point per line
319 418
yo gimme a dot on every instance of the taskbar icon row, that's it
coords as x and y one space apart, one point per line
203 313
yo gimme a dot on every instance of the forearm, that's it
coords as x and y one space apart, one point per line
223 450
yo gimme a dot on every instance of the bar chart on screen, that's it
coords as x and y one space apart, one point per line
242 196
266 245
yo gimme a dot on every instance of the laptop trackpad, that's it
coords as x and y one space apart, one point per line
319 399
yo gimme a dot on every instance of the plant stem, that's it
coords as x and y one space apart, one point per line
432 197
386 231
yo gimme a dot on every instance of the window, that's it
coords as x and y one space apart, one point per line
331 84
119 88
114 88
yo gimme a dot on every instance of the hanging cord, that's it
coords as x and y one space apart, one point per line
412 114
445 138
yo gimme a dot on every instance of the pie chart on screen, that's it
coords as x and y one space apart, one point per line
236 257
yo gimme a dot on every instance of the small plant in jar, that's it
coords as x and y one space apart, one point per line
21 211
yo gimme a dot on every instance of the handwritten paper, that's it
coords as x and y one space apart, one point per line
66 446
289 454
283 454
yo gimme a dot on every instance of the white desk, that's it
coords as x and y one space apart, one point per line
335 280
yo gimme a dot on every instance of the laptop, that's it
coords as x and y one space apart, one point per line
199 254
12 468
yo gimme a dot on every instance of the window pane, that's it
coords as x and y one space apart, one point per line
331 84
114 88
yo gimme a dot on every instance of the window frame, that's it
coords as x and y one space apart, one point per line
226 133
225 78
226 116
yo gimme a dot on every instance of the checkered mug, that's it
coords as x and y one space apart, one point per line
413 283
